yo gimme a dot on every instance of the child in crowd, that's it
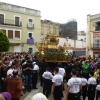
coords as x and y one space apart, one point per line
91 86
98 91
84 86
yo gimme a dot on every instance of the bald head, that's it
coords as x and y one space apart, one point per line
2 97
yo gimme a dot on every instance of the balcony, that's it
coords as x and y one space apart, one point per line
30 25
11 22
30 41
95 46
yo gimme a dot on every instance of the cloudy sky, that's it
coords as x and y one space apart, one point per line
62 10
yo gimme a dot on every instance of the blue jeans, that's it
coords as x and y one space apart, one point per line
28 79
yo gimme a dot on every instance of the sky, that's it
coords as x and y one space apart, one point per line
62 10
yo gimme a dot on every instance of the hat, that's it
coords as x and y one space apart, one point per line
6 95
34 62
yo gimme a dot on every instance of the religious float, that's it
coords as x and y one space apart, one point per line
51 51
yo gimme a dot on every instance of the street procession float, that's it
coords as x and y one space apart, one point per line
51 51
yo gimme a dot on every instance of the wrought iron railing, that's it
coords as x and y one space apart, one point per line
10 22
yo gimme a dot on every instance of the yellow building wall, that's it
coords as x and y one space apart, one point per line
11 49
24 30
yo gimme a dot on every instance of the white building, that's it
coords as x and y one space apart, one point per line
81 36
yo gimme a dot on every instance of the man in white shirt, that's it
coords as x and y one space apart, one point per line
47 82
74 87
10 71
91 86
57 85
35 75
61 70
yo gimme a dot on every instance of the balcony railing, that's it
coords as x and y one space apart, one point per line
10 22
30 41
95 46
30 25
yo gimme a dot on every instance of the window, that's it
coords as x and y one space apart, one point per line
30 20
17 34
81 39
1 18
97 26
96 42
4 31
17 21
10 34
30 50
30 35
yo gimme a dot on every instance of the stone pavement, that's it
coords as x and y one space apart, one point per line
28 95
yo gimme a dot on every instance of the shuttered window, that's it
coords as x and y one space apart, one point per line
17 21
10 34
4 31
1 18
17 34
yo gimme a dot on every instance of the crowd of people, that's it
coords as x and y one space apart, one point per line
21 72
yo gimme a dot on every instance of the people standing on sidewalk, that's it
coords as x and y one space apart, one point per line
14 86
27 69
47 82
74 87
35 75
57 85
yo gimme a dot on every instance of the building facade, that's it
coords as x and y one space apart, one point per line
74 45
69 29
21 25
48 26
93 35
81 36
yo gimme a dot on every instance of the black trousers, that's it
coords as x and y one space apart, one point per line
74 96
34 79
84 91
98 95
46 87
41 79
91 92
58 92
50 86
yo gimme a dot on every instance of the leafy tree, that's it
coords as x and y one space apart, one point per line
4 42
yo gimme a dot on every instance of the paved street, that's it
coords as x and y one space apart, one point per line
28 95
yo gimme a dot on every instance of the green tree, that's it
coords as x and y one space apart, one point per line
4 42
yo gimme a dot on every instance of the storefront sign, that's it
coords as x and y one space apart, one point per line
96 34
